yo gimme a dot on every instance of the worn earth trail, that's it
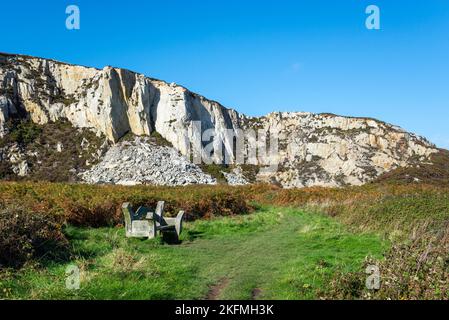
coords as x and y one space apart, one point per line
289 255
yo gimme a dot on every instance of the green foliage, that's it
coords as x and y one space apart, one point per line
416 270
67 100
391 209
129 137
25 132
250 172
5 170
159 140
27 234
96 206
56 166
215 171
283 253
276 253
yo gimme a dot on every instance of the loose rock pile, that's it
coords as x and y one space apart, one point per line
141 162
236 177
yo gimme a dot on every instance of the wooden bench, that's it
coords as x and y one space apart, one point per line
145 224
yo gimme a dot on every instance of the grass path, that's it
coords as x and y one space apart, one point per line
272 254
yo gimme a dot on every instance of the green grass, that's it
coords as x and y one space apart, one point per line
278 253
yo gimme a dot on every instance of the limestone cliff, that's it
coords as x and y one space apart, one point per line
112 101
329 150
324 149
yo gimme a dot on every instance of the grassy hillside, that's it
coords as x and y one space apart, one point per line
436 171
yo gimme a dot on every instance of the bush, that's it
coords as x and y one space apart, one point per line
96 216
27 235
25 132
417 270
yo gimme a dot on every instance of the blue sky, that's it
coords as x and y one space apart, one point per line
262 56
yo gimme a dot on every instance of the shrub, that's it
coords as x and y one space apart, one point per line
107 212
96 216
27 235
417 270
5 170
25 132
159 140
215 171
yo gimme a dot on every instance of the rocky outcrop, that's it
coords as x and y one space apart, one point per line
329 150
315 149
16 158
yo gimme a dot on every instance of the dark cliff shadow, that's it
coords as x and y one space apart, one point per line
154 97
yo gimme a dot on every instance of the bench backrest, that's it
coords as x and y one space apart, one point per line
128 213
143 223
159 214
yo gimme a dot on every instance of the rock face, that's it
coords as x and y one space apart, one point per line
17 158
141 162
315 150
112 101
329 150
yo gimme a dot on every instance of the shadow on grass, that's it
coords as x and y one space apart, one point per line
192 235
170 238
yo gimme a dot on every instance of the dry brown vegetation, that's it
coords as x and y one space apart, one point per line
99 206
387 208
435 172
30 233
38 144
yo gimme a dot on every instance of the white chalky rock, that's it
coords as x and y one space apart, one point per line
140 162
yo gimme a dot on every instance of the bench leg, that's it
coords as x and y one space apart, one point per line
178 222
153 229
